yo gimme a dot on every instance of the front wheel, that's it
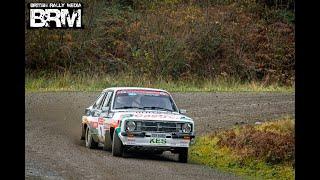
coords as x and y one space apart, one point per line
183 155
90 143
117 146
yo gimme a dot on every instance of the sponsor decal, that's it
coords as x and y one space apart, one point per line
131 142
118 130
115 123
158 135
94 124
186 137
106 126
161 116
100 121
158 141
150 92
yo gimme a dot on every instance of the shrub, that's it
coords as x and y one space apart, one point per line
271 146
173 40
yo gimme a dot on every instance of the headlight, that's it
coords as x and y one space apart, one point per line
131 126
186 128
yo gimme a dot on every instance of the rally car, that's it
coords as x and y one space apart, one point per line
128 119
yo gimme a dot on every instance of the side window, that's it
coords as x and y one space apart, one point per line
98 102
107 101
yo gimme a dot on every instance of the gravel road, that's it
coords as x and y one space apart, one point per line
53 149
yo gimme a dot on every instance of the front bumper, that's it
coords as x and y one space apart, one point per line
145 139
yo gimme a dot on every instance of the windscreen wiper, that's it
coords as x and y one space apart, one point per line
160 108
129 107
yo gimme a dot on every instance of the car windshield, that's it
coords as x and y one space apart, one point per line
143 99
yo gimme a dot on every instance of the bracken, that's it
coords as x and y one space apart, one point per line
272 147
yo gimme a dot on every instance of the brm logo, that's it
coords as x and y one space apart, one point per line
55 15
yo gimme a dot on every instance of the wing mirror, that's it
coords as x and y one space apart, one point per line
87 111
106 112
96 113
183 111
105 109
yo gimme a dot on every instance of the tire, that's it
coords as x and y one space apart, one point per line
107 142
82 133
90 143
183 155
117 146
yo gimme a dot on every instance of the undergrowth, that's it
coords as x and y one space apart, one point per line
176 40
254 151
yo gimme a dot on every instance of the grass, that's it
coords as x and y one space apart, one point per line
68 82
235 150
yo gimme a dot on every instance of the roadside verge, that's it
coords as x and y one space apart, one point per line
254 151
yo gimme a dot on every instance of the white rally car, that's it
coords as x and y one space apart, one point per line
132 119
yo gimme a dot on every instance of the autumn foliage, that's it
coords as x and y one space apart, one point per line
173 40
267 143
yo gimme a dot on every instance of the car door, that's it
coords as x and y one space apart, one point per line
103 116
95 110
91 113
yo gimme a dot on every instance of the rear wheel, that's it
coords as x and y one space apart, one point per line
183 155
83 133
107 142
117 146
90 143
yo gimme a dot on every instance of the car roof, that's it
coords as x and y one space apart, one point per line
128 88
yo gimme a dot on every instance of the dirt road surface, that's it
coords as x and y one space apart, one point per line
53 149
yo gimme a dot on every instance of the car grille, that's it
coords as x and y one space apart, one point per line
156 126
